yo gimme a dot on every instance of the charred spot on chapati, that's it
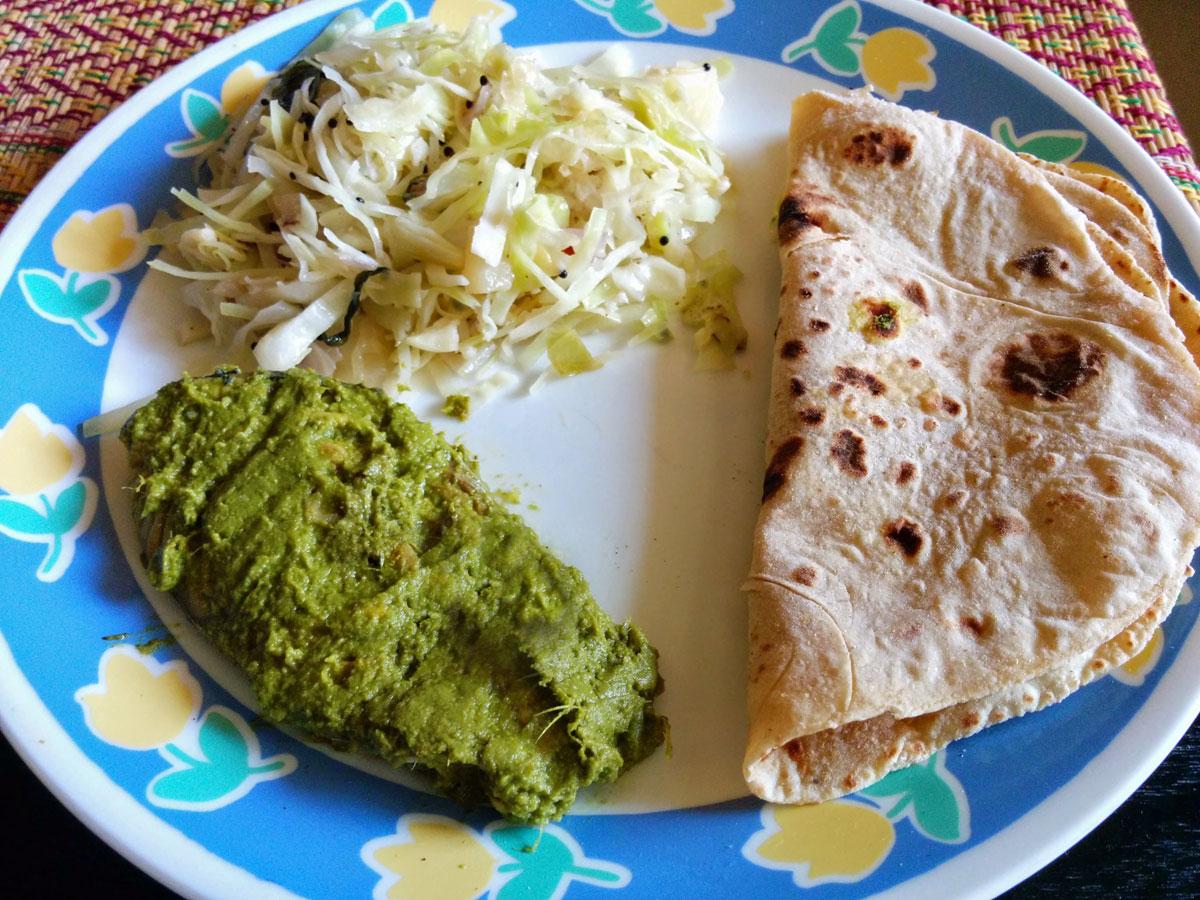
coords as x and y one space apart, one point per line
878 319
806 575
980 626
906 536
798 212
914 292
1040 262
849 451
1049 366
951 406
797 387
777 469
877 420
1005 525
816 326
812 415
858 378
879 145
792 349
905 472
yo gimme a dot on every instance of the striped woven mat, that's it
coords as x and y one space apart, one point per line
66 63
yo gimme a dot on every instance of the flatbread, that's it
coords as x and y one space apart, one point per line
1124 232
983 452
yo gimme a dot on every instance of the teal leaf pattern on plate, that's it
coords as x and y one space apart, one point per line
227 765
57 524
833 40
1054 145
203 116
67 301
392 14
927 794
545 861
16 516
634 18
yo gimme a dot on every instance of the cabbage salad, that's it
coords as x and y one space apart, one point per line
419 201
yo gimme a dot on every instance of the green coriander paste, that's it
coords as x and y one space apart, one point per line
379 597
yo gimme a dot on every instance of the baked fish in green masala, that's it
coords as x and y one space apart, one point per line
350 561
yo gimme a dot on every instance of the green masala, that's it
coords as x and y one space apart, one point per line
350 561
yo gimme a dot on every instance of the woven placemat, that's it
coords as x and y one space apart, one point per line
1095 45
64 64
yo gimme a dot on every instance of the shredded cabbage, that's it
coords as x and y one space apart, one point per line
414 200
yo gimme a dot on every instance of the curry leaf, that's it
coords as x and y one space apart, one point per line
16 516
336 340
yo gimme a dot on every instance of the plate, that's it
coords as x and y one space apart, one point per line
644 475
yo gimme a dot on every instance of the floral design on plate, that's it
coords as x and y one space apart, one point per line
839 841
207 118
90 246
845 840
649 18
1056 145
1135 669
457 14
139 703
892 61
46 501
438 856
929 796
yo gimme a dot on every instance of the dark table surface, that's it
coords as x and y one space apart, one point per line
1150 847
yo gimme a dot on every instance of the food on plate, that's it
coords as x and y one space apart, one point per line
415 200
350 561
983 478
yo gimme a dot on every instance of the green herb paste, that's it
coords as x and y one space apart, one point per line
379 597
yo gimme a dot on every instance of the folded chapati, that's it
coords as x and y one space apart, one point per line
983 478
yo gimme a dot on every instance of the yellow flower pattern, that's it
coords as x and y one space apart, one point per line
896 60
836 841
44 501
457 14
892 61
432 856
139 703
241 87
35 454
694 16
1135 669
648 18
104 241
